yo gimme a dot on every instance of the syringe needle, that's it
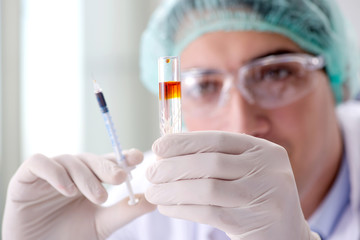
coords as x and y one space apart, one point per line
114 139
96 86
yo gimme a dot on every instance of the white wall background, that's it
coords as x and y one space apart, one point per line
9 94
351 9
51 77
61 55
111 54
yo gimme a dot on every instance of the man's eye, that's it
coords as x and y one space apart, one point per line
208 87
276 74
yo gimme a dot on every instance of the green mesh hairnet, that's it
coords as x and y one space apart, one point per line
317 26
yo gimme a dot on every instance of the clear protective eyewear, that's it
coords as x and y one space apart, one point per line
269 82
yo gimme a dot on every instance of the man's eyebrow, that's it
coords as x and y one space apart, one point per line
276 52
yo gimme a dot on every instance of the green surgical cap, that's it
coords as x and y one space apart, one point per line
317 26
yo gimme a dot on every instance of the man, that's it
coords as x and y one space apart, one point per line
265 75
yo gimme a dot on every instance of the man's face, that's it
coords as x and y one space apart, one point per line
307 128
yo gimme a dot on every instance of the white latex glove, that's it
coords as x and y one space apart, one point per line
58 198
239 184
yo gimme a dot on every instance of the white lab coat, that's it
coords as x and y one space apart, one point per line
154 226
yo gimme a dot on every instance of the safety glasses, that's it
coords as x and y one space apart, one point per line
270 82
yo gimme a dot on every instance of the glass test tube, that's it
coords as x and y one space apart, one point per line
169 95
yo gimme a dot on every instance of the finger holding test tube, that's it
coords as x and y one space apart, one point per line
169 94
114 140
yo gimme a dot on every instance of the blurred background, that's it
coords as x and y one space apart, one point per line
50 53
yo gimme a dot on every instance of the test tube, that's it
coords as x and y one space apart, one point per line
169 94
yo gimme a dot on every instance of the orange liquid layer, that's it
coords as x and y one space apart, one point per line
168 90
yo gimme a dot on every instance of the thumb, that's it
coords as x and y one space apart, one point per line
109 219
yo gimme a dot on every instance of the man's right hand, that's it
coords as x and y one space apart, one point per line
59 198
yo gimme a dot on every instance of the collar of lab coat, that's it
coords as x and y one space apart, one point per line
349 119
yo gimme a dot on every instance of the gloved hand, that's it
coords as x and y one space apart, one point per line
58 198
237 183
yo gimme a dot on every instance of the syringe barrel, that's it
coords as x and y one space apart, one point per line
114 139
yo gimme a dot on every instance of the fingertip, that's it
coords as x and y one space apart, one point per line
133 156
161 144
100 197
103 199
155 145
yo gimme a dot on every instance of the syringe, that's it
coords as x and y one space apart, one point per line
114 140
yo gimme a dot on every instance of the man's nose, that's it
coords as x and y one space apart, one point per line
247 118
